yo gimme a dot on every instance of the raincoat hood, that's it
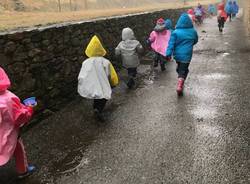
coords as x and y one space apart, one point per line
168 24
160 25
128 34
221 6
95 48
4 80
190 11
184 22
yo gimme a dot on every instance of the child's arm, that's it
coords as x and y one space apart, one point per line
21 113
139 48
152 37
171 45
118 50
113 79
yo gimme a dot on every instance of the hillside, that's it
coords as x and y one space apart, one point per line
28 13
66 5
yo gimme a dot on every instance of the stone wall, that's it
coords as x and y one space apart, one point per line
245 4
45 62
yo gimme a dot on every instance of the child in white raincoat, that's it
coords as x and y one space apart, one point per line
97 76
129 49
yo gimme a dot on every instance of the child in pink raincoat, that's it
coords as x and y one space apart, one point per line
13 115
159 39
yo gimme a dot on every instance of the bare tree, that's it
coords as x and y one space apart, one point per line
75 6
70 4
85 3
59 5
5 4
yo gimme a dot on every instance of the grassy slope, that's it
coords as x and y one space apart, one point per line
52 5
12 20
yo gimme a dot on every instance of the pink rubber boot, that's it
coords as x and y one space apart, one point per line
180 86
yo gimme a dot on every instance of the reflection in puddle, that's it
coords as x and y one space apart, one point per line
204 112
148 82
215 76
208 130
225 54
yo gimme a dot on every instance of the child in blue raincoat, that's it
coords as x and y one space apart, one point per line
212 10
181 43
235 9
229 10
169 25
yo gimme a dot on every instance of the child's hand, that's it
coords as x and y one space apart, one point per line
148 43
169 58
31 105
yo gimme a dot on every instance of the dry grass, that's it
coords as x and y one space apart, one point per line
10 20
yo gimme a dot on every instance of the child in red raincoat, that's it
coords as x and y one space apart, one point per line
13 115
222 16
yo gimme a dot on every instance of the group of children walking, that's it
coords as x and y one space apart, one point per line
226 10
97 74
96 79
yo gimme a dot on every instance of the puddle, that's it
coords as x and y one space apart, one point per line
215 76
225 54
204 112
208 130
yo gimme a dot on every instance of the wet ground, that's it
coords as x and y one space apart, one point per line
150 135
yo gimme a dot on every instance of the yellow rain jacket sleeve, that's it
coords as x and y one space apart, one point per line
114 80
95 48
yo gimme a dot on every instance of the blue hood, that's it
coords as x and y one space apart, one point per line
168 24
184 22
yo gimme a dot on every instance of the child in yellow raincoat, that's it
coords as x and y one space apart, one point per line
97 76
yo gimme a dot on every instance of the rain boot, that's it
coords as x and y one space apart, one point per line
30 170
131 83
180 86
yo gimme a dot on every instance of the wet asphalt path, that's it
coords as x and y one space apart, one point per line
153 137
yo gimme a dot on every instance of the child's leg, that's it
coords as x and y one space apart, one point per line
163 63
182 70
132 72
220 23
230 17
218 19
102 104
223 22
20 157
156 59
99 104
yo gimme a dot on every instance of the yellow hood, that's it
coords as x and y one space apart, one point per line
95 48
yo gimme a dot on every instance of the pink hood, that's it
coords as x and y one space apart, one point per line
4 80
159 41
221 10
190 11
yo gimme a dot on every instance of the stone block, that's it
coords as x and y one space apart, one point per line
10 48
